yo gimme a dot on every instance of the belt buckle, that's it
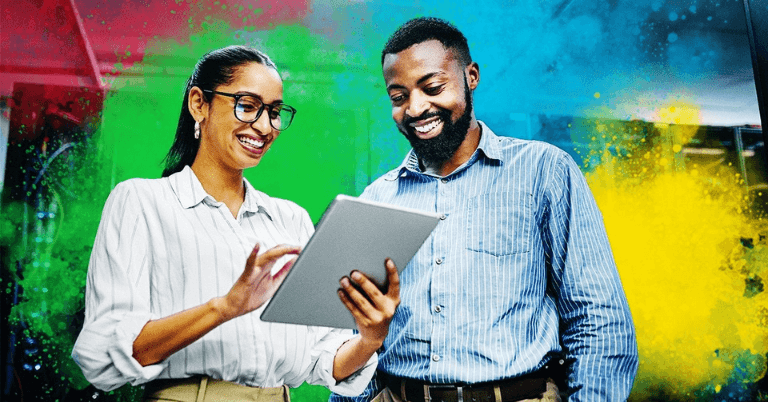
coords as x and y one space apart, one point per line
428 388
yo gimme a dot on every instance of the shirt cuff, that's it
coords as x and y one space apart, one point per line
104 351
355 383
121 350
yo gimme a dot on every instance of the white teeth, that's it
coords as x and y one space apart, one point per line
427 128
251 142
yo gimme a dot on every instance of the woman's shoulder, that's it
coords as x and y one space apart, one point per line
139 191
140 186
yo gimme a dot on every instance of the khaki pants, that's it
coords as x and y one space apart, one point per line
205 389
552 394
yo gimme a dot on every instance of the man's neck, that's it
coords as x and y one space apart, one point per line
461 156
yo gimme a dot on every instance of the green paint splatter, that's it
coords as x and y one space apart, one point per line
52 246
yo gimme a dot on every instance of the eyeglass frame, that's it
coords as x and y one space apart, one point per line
264 105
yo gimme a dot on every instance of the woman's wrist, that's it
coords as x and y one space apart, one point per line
222 309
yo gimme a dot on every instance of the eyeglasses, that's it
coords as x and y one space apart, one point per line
248 109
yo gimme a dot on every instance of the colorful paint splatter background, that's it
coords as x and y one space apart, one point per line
647 95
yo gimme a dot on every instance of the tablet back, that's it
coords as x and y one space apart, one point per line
352 234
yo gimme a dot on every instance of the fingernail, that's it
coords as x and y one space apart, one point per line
344 282
356 276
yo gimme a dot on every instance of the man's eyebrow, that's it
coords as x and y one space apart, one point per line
419 82
428 76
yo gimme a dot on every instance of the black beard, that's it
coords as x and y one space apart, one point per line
435 151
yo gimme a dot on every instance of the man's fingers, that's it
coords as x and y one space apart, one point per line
352 307
357 298
372 291
393 278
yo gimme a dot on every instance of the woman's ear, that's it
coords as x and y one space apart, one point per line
197 105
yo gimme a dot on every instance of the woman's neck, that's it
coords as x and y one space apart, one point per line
222 183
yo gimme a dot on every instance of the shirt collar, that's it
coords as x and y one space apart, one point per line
190 192
488 146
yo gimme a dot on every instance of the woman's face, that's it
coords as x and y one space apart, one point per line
227 141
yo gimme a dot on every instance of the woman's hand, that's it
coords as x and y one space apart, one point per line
372 309
165 336
256 284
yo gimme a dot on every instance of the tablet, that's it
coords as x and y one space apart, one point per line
353 234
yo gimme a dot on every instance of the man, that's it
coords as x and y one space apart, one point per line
515 296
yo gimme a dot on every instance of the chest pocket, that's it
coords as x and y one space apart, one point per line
500 223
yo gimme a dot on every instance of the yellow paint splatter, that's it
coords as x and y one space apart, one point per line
678 234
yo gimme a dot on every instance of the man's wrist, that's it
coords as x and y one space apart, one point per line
369 344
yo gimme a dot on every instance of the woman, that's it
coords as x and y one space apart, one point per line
168 249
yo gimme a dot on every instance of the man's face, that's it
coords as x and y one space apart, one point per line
431 98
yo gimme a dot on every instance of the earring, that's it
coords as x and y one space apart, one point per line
197 130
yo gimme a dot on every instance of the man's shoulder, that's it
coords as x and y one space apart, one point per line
389 179
512 145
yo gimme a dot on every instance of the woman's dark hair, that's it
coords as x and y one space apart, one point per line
215 68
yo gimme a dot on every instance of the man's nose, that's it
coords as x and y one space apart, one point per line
418 105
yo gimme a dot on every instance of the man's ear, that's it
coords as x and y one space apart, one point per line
198 107
473 75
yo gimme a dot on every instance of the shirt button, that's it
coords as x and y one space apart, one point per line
439 260
435 358
444 181
438 309
443 216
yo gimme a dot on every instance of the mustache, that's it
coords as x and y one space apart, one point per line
442 114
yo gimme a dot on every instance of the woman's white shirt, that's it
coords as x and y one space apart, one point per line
165 245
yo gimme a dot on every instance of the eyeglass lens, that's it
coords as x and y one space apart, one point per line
248 109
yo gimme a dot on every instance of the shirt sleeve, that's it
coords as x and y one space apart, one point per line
116 296
330 340
372 389
323 355
598 334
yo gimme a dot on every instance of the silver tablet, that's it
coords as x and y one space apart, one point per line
353 234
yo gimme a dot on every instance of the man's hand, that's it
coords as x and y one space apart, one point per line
372 309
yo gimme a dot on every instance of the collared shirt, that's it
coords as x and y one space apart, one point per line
164 246
521 248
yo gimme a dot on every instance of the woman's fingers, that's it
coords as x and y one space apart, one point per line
251 262
275 253
280 275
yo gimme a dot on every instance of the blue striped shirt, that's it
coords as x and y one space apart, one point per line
519 269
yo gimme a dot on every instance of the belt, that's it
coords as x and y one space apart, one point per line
525 387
